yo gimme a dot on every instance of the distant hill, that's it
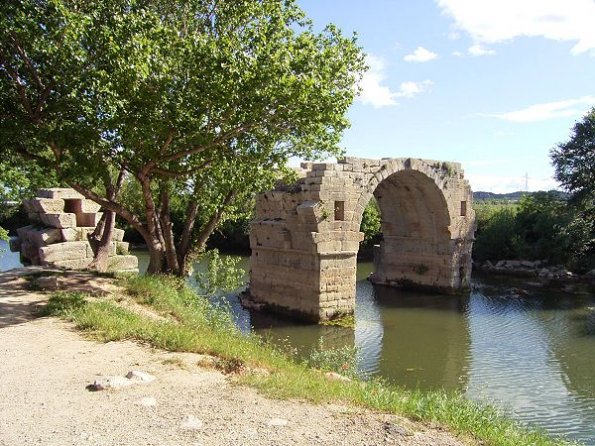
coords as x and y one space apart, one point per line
512 196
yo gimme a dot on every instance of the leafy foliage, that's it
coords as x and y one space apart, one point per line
342 360
222 274
495 236
371 224
541 226
3 236
574 160
200 103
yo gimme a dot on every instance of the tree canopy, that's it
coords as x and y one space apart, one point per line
574 160
200 102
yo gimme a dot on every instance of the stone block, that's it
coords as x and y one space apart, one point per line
23 233
118 235
118 249
29 253
121 263
45 237
122 248
70 235
63 251
66 220
89 206
34 217
29 207
88 219
48 205
58 192
73 264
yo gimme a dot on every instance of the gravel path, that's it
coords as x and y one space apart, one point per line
45 367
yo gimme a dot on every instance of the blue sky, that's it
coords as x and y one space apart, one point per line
493 84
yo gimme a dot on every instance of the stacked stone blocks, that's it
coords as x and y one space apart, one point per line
305 237
61 220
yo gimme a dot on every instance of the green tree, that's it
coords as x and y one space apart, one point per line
496 237
574 160
198 102
574 163
541 221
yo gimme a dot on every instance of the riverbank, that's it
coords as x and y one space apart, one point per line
157 312
189 402
535 269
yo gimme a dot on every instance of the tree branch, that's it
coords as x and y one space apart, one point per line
28 64
113 206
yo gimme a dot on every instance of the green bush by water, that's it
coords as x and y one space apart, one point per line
540 226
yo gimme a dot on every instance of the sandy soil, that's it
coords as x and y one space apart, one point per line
45 366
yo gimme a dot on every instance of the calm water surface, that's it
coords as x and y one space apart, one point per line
533 356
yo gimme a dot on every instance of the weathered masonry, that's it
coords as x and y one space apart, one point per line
305 237
60 219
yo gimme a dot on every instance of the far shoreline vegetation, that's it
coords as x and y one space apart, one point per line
540 226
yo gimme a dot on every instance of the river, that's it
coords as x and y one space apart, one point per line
529 352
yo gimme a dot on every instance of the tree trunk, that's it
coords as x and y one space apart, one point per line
167 233
205 232
156 256
105 227
101 246
184 246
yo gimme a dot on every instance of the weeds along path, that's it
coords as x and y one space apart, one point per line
45 366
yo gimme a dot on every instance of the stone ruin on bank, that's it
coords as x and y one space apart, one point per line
60 220
305 237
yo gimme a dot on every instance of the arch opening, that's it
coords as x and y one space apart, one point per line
415 232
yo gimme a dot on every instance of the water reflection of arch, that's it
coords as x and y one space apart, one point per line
429 338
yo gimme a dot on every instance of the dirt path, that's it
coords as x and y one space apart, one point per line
45 366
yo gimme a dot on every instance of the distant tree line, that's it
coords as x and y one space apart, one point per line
552 226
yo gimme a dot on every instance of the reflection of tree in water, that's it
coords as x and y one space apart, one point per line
573 345
568 322
426 338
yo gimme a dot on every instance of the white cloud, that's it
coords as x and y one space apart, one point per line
457 54
546 111
478 50
493 21
453 35
410 89
420 55
374 93
378 95
502 184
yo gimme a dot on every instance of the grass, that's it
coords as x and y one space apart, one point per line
192 324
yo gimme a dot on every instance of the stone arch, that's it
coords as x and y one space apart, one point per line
415 225
305 237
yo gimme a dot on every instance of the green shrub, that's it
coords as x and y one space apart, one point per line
496 236
341 360
371 224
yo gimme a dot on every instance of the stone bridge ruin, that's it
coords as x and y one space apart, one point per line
305 237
